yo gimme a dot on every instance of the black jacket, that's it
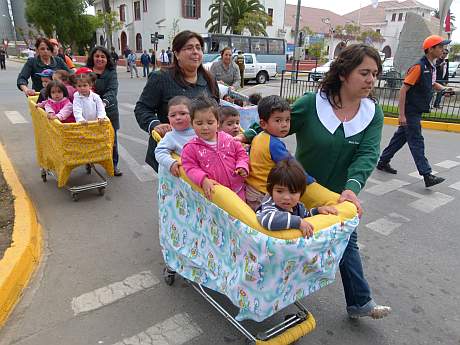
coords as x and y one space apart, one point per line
107 89
419 96
152 106
35 65
440 69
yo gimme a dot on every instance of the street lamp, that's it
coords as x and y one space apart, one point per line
327 21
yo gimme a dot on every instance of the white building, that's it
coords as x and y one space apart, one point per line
142 18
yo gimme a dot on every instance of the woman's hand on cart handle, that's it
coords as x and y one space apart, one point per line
162 128
349 195
28 92
208 187
306 228
327 210
175 169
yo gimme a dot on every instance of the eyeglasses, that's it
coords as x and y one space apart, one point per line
190 47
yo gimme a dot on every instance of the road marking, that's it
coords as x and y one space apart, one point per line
176 330
144 173
386 187
113 292
429 203
15 117
417 175
129 137
398 216
447 164
411 193
373 180
455 186
127 105
383 226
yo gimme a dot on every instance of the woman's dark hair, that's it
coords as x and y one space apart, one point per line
227 111
202 103
90 62
222 52
179 42
44 40
178 100
287 173
55 83
349 58
269 104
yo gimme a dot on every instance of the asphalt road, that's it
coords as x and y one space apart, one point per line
100 280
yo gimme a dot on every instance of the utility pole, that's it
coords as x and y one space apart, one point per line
221 15
297 40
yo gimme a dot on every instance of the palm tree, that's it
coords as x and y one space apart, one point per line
239 15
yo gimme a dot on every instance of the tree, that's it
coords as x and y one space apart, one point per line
239 15
370 35
174 31
347 32
109 23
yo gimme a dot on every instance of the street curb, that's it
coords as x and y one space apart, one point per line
439 126
22 258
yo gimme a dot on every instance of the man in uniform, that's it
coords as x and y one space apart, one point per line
240 63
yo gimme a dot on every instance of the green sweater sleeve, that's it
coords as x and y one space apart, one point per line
365 158
252 131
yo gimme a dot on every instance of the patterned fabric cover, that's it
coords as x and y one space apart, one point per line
258 273
62 147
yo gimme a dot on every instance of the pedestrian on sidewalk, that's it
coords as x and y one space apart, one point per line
240 63
145 60
153 59
114 56
414 100
442 76
2 58
126 53
164 59
132 64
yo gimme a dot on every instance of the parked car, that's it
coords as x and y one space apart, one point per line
260 71
454 69
387 66
319 72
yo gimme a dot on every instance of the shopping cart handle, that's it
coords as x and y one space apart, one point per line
292 334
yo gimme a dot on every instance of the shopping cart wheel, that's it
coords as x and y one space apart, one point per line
88 169
101 191
169 276
74 196
44 175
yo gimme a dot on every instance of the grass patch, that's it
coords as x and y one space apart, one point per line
393 111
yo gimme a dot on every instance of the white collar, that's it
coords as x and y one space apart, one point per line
356 125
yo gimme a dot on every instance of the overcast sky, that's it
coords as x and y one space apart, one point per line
346 6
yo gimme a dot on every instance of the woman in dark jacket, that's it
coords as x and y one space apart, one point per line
185 77
43 60
107 88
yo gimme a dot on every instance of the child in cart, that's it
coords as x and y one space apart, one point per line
64 78
266 148
229 120
182 132
281 208
213 157
87 105
57 104
45 76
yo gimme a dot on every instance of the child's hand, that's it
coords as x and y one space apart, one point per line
51 116
101 120
175 169
242 172
84 122
208 187
327 210
241 138
306 228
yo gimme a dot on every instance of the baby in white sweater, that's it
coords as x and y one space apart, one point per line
87 105
182 132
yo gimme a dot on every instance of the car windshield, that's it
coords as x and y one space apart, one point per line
454 64
210 58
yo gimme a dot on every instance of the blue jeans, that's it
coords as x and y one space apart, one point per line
412 134
146 70
355 286
115 149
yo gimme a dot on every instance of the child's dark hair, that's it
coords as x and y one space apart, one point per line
55 83
254 98
89 78
287 173
225 112
268 105
238 102
63 75
178 100
204 103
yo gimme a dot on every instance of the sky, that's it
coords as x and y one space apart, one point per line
342 7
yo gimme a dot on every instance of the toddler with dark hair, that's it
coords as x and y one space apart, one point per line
229 120
57 105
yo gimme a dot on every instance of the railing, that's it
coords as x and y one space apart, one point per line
386 91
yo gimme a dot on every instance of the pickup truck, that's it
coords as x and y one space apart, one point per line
260 71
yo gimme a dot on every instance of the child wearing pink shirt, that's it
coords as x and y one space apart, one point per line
57 105
213 157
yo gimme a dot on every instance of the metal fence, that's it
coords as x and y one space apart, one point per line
295 83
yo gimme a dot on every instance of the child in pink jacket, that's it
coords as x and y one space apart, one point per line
57 105
213 157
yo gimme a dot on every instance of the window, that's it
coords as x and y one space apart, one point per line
377 30
99 11
138 42
393 17
122 13
400 17
240 43
270 15
191 9
218 43
137 10
248 59
275 47
259 45
144 5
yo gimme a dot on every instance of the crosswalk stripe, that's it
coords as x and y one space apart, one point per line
144 173
431 202
176 330
447 164
455 186
386 187
15 117
383 226
417 175
113 292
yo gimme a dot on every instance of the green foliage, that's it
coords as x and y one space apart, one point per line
239 15
316 50
347 32
374 36
455 49
108 22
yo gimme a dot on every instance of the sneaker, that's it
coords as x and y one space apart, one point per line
431 180
117 172
386 167
370 309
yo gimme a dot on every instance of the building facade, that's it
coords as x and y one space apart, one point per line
6 27
142 18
